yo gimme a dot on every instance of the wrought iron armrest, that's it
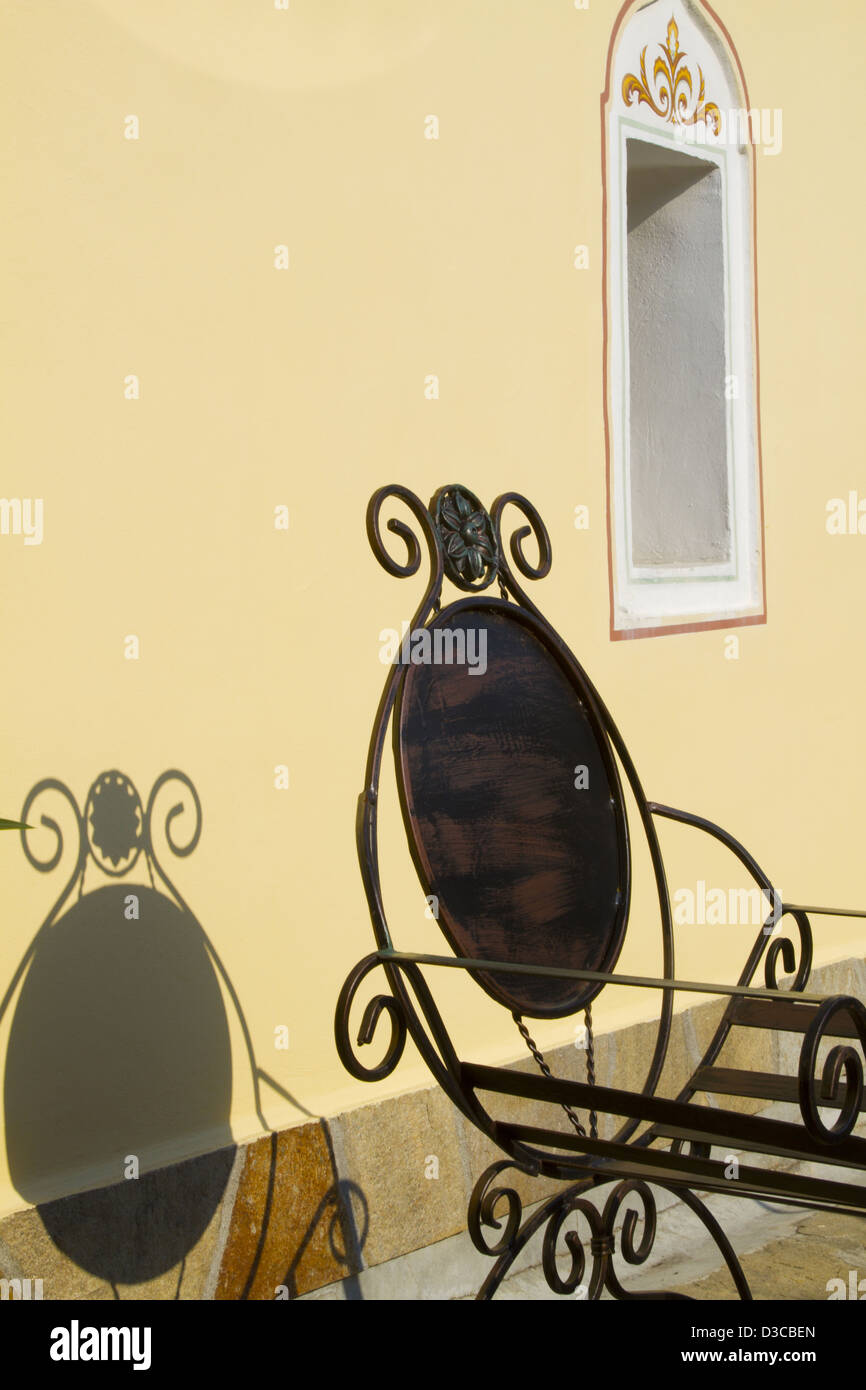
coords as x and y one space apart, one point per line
718 833
826 911
841 1083
780 946
744 991
710 828
840 1088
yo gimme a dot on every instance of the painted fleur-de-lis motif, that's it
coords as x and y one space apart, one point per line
671 93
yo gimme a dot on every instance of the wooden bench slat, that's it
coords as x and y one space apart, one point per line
784 1017
761 1085
729 1127
700 1136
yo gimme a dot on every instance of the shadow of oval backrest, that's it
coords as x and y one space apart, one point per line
527 855
119 1046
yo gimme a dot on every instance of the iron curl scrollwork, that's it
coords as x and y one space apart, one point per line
536 528
783 946
600 1249
482 1211
379 1004
631 1253
602 1240
407 535
841 1083
551 1217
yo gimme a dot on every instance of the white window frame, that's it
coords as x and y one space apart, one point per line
649 599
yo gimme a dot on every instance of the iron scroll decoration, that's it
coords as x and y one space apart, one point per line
464 543
604 1231
842 1072
456 507
478 556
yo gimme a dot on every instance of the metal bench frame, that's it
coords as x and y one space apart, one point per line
630 1161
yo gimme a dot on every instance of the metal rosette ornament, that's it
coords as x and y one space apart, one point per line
469 546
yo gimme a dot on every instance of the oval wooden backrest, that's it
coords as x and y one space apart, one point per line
512 803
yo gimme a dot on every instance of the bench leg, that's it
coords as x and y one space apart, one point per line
551 1217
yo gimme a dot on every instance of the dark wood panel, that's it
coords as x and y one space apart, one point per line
527 866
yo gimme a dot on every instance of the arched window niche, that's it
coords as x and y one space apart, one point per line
685 517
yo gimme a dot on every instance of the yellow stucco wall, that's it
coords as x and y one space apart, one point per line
305 387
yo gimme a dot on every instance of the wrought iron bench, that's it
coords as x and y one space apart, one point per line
509 772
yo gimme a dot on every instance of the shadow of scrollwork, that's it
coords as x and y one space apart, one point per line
119 1042
333 1232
